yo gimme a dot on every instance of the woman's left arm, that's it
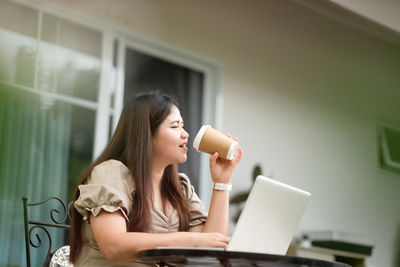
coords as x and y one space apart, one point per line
218 215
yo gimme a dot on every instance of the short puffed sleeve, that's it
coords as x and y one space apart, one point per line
108 188
198 214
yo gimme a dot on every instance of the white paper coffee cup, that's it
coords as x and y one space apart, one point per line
209 140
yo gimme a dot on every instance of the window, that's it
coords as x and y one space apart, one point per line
49 85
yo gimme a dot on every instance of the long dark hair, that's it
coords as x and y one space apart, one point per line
132 145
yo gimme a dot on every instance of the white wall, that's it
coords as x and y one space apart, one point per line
302 92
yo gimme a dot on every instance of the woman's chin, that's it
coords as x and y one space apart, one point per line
183 159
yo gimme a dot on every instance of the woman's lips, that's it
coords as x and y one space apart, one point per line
183 146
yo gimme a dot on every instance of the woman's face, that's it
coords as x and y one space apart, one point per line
170 140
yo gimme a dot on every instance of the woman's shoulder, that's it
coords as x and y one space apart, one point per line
109 187
111 171
111 163
110 166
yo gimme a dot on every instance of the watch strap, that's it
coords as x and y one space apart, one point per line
222 187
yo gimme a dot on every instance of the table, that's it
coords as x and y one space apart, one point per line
216 257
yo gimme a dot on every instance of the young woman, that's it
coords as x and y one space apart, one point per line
132 198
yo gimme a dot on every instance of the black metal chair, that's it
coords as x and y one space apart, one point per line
54 256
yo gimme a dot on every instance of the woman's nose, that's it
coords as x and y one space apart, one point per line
184 134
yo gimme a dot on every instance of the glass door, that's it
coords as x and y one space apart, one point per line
147 65
145 73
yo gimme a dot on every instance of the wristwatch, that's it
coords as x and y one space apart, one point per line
222 187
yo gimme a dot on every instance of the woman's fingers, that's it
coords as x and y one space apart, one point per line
221 240
226 239
213 159
214 156
212 240
238 155
222 245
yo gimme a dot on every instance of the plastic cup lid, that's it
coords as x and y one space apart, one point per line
199 136
232 150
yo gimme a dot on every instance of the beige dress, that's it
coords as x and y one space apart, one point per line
110 188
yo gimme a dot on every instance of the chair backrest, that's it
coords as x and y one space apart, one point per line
32 226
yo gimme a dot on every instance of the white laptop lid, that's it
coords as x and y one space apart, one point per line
270 217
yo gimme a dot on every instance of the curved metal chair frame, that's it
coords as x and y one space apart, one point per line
30 225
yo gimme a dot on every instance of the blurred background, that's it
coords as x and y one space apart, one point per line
310 88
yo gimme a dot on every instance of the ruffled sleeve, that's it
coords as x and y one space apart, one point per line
108 188
198 214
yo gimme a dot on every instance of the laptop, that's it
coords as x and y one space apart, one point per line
269 219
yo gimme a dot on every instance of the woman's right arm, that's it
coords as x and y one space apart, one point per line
119 245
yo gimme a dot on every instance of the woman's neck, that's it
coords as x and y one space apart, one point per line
157 172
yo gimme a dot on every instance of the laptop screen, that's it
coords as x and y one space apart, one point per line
270 217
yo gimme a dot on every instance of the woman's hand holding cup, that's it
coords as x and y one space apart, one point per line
222 169
225 152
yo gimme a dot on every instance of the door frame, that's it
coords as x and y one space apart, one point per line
212 96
